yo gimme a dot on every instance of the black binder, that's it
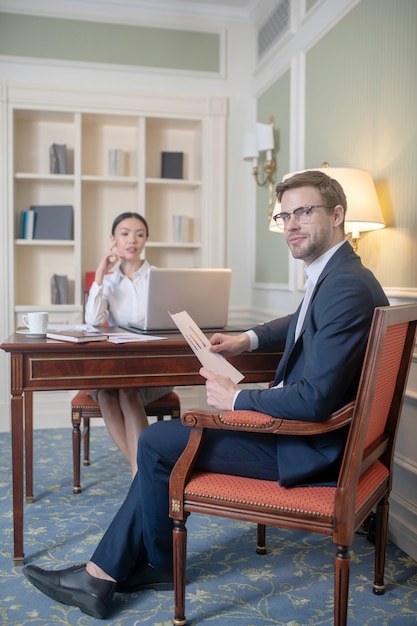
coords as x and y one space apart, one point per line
172 164
53 222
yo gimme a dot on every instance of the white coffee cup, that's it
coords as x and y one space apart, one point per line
37 322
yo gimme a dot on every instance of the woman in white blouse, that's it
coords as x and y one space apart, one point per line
118 298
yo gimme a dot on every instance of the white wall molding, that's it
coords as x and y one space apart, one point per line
305 32
401 294
402 525
147 103
407 464
163 13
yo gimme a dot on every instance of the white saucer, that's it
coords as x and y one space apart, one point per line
32 335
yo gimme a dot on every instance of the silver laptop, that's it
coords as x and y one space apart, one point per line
203 293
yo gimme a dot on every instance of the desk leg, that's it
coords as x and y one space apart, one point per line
28 403
17 477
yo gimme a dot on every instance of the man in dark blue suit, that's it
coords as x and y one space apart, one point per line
325 341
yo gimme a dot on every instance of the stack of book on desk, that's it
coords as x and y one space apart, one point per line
76 336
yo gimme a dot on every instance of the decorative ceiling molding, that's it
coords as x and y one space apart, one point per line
138 11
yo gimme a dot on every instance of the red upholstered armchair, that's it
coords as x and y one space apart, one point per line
365 476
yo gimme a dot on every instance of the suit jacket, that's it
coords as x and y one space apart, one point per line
321 369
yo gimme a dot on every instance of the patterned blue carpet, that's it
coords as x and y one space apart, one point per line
229 583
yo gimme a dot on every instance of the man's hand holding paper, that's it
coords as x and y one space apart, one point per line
201 347
221 390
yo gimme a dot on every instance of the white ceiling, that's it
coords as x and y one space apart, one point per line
240 10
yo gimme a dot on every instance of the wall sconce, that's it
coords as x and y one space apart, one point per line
363 208
254 145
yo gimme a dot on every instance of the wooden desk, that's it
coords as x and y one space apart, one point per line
46 365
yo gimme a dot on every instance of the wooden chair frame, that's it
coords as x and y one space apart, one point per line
365 476
84 408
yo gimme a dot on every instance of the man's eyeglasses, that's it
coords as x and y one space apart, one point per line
302 214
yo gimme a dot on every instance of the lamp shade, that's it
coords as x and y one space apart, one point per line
264 137
250 150
363 208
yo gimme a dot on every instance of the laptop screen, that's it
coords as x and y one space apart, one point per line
204 293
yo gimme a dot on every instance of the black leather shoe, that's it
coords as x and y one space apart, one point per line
73 586
146 577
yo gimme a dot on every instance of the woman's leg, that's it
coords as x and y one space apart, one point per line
135 420
125 416
108 400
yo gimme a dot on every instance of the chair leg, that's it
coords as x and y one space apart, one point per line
261 543
86 438
341 584
179 538
172 413
175 414
76 451
381 534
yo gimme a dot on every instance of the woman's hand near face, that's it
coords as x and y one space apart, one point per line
107 263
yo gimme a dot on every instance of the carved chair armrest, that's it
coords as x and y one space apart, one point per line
261 422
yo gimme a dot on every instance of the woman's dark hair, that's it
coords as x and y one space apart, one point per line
125 216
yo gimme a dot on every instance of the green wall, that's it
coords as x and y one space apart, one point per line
310 4
361 111
92 42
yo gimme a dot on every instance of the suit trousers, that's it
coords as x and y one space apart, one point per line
141 531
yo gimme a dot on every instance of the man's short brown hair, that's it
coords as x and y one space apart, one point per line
330 189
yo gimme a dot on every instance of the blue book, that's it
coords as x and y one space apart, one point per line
23 218
29 224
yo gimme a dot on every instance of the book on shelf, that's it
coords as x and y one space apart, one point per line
172 164
58 158
47 222
76 336
27 224
53 221
59 289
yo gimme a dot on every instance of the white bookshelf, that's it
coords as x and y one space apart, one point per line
91 125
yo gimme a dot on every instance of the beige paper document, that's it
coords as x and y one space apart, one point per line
200 345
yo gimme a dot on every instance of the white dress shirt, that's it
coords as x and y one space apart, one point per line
118 300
